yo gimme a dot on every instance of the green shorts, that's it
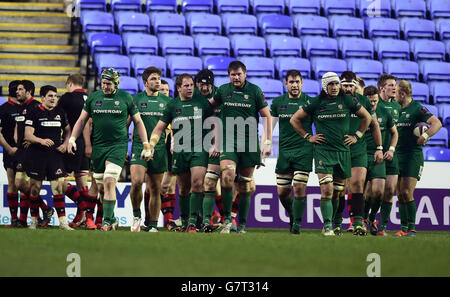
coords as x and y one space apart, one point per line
115 154
182 161
359 159
157 165
333 162
392 166
242 159
375 170
288 162
214 161
410 164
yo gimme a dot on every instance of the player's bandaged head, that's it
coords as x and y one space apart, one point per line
112 75
329 78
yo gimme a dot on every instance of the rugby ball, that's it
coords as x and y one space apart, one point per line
420 128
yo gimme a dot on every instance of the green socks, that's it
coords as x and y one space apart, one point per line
298 209
136 213
385 212
374 207
208 206
183 203
108 211
244 206
411 209
403 210
195 205
227 200
326 207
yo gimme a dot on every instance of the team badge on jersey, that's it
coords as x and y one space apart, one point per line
98 103
246 97
340 106
143 105
178 111
58 118
116 103
161 105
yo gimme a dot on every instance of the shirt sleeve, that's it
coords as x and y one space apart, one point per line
310 105
30 119
218 96
87 104
390 120
167 114
274 108
423 113
353 104
261 101
209 110
132 108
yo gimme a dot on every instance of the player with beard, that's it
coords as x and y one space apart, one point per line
295 154
331 112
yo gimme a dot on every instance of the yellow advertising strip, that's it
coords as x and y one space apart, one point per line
33 35
33 14
37 57
36 46
27 25
32 4
40 67
33 78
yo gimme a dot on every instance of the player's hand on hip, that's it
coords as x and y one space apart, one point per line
388 156
378 157
317 139
349 140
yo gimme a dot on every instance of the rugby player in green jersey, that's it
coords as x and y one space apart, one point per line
386 85
109 109
295 154
151 104
359 159
376 173
410 155
242 103
331 115
186 114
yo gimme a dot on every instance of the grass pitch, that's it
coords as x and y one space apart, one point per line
259 253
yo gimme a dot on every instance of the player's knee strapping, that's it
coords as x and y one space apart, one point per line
211 174
301 177
326 180
228 167
98 178
245 183
112 171
338 186
284 180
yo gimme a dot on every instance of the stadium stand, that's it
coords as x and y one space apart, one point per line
218 65
238 23
140 62
365 68
351 47
134 5
283 46
129 84
437 154
391 48
303 7
207 23
177 64
420 92
243 45
259 66
412 8
176 44
140 43
283 64
320 46
427 49
402 69
127 21
311 25
234 6
382 8
346 26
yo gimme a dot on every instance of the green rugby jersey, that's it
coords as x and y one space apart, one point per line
394 108
109 116
409 116
151 109
284 108
386 122
331 118
180 113
240 103
360 146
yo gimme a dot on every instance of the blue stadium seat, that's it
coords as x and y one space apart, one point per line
303 7
434 70
443 28
141 62
355 47
235 6
140 43
320 66
204 23
411 8
320 46
221 80
427 49
218 65
439 92
176 44
197 6
420 91
447 49
276 24
161 5
183 64
307 24
259 66
168 22
119 62
90 5
438 8
169 81
382 27
417 28
239 23
440 138
105 43
132 21
347 7
267 6
129 84
134 5
283 46
365 68
444 113
391 48
284 64
311 87
271 87
374 9
431 108
207 44
437 154
402 69
96 21
244 45
342 25
2 100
